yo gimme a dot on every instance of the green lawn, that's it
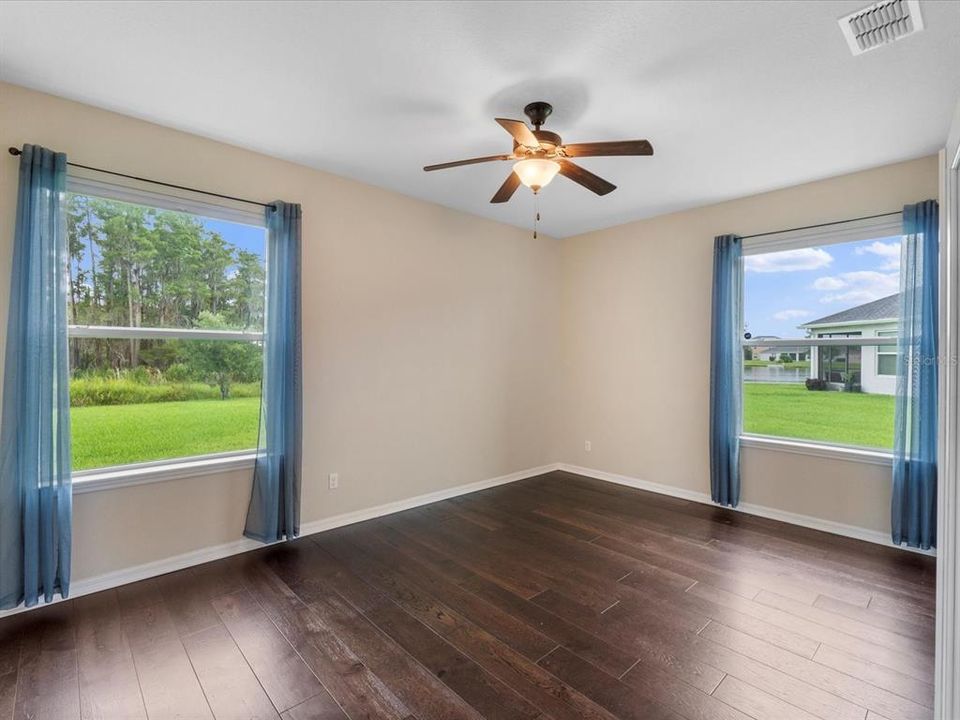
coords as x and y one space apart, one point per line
788 410
117 434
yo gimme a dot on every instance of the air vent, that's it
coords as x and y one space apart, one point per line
881 24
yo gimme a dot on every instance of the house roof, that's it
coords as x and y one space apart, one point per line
886 308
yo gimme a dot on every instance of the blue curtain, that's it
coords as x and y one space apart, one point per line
274 512
726 369
914 511
35 493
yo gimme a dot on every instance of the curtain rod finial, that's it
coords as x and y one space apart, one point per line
13 151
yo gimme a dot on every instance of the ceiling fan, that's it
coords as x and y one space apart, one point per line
541 154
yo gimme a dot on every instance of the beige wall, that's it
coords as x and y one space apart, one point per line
636 335
442 349
429 336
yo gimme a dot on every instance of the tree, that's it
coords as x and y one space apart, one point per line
222 362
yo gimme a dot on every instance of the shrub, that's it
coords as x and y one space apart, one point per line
816 384
178 373
86 392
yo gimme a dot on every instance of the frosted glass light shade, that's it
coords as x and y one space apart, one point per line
536 173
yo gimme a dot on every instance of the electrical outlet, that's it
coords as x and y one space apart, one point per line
588 446
334 481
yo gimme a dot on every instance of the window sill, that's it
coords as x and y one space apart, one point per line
86 481
833 452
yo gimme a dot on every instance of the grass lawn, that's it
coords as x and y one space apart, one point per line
788 410
117 434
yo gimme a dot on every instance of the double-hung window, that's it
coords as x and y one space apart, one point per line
165 329
821 311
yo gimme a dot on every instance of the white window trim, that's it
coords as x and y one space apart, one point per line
123 332
117 476
843 232
132 191
849 453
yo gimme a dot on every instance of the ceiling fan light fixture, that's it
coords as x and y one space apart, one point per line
536 173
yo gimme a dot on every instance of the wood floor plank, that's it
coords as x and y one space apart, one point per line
917 626
481 690
489 696
169 685
882 677
188 601
355 688
420 690
11 633
845 686
109 687
758 627
8 694
544 690
851 626
910 663
319 707
47 684
620 699
282 673
756 703
687 668
229 684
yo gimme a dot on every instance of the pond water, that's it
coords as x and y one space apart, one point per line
775 374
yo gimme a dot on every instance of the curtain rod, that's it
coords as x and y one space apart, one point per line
820 225
15 151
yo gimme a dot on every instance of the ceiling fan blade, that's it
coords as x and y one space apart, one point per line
586 178
617 147
506 190
521 133
471 161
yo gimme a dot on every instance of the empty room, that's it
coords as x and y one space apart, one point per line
517 360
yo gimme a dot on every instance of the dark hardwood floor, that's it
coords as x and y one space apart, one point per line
554 597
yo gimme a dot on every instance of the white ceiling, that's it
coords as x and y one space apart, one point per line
736 97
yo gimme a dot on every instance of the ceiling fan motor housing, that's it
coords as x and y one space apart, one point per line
538 112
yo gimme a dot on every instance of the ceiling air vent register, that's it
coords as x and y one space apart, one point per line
881 24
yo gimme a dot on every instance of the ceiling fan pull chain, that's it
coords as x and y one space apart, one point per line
536 207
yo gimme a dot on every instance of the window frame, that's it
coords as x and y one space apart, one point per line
81 182
887 353
821 235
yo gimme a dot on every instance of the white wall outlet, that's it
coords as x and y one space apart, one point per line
588 446
334 479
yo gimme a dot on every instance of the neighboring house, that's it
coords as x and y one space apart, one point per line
873 368
773 354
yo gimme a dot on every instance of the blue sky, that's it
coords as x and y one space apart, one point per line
244 237
785 289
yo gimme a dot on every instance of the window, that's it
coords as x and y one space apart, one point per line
821 314
166 319
887 356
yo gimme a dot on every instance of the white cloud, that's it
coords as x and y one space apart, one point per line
890 252
791 314
828 283
788 261
858 287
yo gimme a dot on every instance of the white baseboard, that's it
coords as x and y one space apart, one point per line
217 552
807 521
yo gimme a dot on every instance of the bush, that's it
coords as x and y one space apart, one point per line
816 384
178 373
85 392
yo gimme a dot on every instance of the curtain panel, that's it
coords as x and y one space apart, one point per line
726 369
274 511
914 507
35 493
